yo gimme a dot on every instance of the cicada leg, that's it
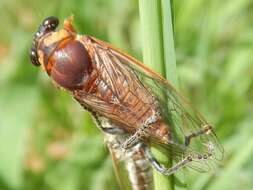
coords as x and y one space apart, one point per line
205 130
161 168
184 162
141 132
113 130
134 139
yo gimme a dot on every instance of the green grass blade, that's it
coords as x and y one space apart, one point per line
171 68
158 52
168 43
150 16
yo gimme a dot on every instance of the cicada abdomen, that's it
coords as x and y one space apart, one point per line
132 168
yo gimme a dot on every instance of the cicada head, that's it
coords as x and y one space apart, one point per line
47 26
64 58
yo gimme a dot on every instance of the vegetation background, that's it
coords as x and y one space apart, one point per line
47 142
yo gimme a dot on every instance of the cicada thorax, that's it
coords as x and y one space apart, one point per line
66 60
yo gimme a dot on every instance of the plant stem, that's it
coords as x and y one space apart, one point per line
171 69
153 56
159 54
151 23
168 43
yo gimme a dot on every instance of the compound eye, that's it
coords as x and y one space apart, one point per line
50 23
34 58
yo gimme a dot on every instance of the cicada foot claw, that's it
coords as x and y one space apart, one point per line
207 129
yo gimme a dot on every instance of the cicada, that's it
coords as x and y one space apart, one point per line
136 101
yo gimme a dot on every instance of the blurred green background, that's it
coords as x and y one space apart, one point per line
48 142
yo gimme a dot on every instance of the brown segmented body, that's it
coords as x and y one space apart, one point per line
137 167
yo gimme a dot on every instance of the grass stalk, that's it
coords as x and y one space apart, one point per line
159 54
154 55
168 43
152 35
171 69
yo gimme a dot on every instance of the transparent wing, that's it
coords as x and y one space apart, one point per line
187 123
178 152
121 84
98 105
117 76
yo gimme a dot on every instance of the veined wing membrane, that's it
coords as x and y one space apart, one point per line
184 120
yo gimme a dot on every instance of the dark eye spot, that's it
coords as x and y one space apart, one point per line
48 25
34 58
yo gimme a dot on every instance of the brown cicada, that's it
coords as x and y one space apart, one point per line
136 101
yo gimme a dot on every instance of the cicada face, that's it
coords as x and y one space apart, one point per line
47 26
64 58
